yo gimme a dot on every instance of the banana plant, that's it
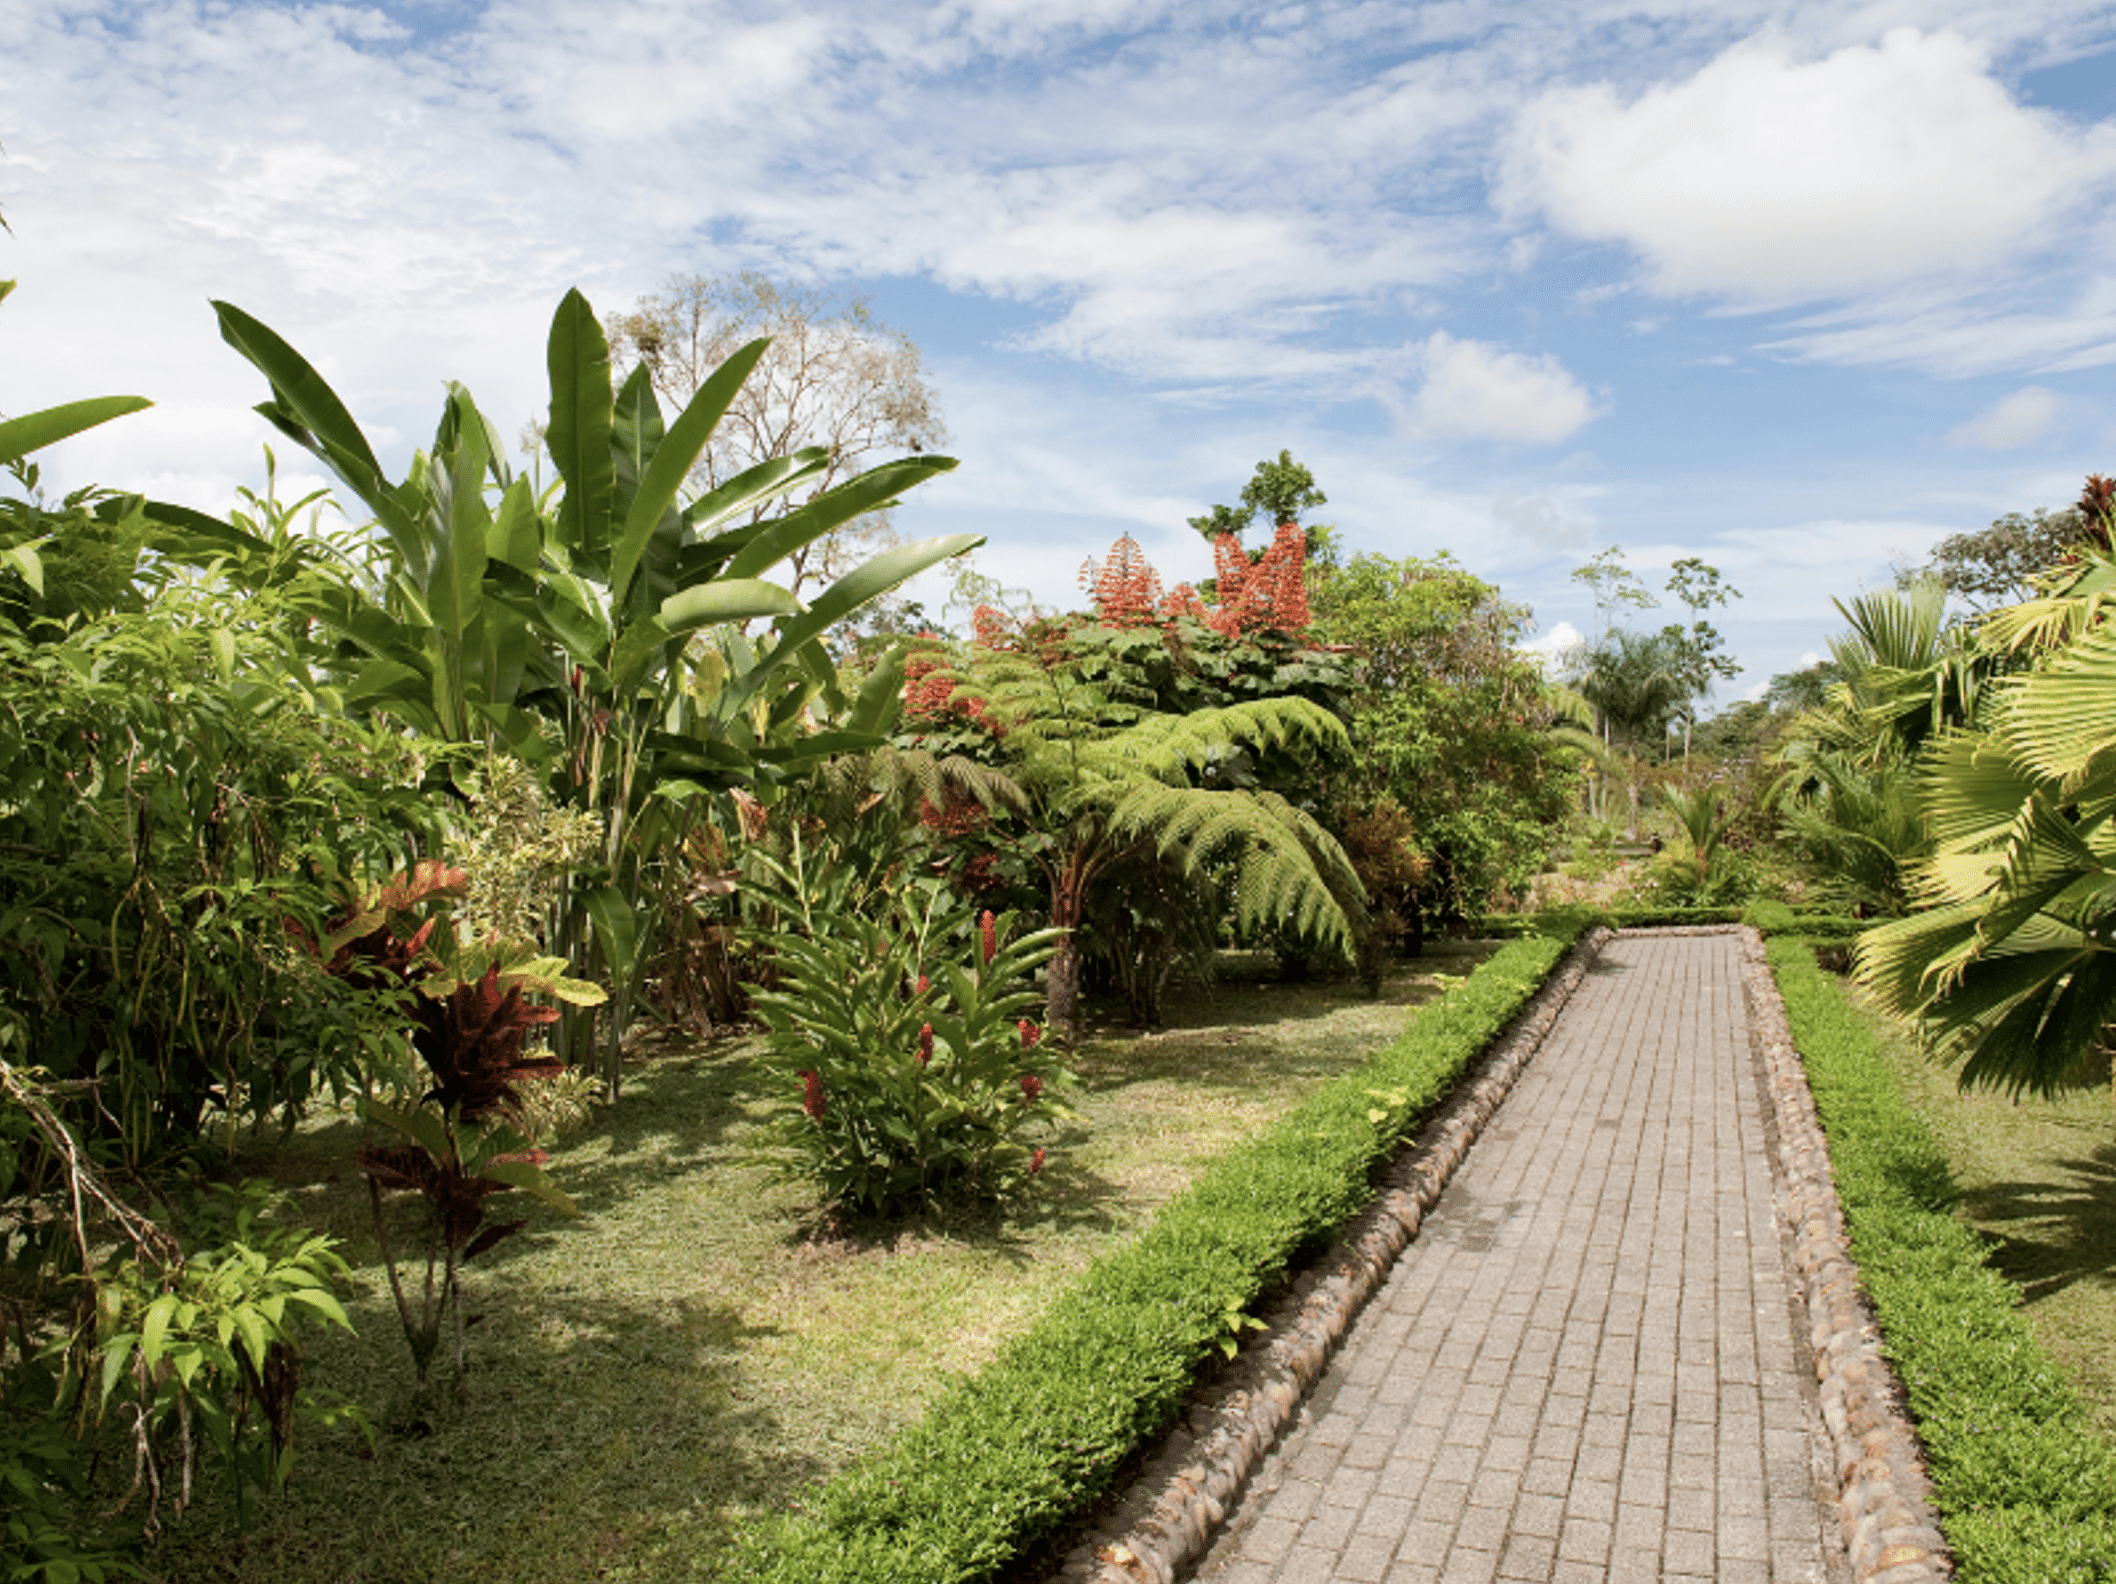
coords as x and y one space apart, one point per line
33 432
598 631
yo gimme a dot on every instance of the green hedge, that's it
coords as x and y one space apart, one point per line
2026 1489
1011 1453
1772 918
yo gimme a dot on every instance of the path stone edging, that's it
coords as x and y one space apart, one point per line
1210 1456
1884 1503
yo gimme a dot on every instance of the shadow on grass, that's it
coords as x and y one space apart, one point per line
599 1438
2055 1232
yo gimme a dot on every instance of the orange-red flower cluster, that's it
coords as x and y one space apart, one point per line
1125 588
1271 594
960 815
932 699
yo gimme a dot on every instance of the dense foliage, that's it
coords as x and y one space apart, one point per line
1452 747
899 1027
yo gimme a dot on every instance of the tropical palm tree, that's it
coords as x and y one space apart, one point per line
2012 967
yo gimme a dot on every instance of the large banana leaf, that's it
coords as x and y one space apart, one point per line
862 585
725 600
34 431
307 410
874 488
579 437
670 462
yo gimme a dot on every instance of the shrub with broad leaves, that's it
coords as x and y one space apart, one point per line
908 1078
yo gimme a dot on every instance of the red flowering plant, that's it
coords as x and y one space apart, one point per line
456 1089
907 1072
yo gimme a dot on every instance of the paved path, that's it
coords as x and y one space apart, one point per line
1583 1368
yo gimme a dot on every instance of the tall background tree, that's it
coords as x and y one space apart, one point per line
834 377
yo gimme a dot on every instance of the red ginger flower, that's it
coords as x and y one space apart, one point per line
812 1094
923 984
1030 1034
1036 1163
988 936
1031 1088
925 1043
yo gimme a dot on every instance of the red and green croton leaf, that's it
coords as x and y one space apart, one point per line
457 1196
472 1042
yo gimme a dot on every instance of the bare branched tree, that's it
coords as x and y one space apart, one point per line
835 377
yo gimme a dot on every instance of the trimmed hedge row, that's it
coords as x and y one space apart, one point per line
2026 1489
1008 1455
1771 918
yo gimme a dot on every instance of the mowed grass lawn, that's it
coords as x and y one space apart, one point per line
2039 1178
703 1343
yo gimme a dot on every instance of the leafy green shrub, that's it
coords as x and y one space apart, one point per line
1008 1455
2026 1490
1654 916
917 1079
209 1346
170 795
175 1355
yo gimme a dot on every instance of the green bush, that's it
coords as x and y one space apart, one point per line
2025 1488
905 1077
1011 1453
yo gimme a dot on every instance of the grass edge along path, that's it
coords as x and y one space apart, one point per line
2026 1489
1009 1454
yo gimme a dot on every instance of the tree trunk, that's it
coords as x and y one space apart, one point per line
1061 1011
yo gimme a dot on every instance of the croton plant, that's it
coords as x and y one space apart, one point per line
457 1112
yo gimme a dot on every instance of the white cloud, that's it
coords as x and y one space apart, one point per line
1555 643
1772 178
2010 422
1540 520
1473 390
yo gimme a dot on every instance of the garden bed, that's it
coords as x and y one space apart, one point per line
2025 1486
703 1345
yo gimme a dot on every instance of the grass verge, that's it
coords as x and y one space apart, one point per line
1007 1455
2025 1488
703 1345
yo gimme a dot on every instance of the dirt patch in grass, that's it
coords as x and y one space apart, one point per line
2039 1178
704 1343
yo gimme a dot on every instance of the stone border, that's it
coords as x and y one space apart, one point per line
1884 1506
1186 1490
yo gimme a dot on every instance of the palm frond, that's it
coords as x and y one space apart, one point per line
2062 719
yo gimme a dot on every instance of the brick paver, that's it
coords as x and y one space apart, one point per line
1584 1367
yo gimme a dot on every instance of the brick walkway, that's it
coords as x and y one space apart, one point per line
1584 1366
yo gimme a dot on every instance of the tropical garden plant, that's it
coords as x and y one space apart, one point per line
2010 963
1452 727
919 1080
1109 780
455 1104
600 633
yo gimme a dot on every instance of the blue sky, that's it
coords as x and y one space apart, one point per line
1796 288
